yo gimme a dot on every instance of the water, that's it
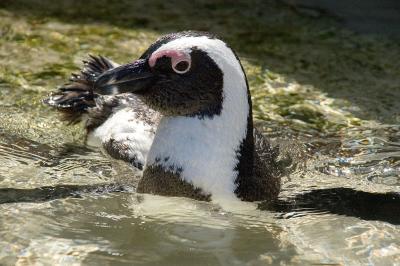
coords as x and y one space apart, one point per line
322 215
62 203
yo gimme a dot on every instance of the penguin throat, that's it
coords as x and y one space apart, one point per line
207 152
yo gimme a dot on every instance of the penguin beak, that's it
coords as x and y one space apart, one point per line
133 77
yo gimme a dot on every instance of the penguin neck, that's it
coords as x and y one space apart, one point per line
209 152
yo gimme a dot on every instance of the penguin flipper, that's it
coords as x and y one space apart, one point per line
75 98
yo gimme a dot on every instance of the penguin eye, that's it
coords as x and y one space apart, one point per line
180 60
181 67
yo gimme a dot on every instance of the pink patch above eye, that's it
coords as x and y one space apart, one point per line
176 57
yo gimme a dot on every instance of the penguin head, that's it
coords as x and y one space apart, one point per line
181 74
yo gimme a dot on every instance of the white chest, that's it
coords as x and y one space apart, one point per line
203 151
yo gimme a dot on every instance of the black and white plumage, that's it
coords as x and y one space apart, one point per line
182 112
122 125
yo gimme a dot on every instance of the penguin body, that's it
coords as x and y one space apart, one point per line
182 113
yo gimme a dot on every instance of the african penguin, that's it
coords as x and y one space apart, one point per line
182 112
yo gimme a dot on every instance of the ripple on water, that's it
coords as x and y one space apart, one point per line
369 156
30 164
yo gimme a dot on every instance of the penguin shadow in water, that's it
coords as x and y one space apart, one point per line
369 206
383 207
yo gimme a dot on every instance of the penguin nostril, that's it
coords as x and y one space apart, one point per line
181 67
